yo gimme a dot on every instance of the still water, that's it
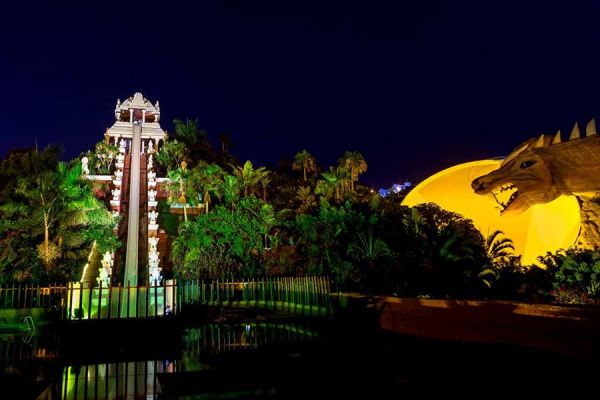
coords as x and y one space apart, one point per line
225 359
271 357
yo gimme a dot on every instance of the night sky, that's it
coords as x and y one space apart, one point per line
415 87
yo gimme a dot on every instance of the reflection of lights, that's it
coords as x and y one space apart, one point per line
247 328
44 354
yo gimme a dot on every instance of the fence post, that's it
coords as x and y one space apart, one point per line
201 291
70 305
19 297
184 292
12 296
91 289
137 300
119 299
99 312
25 298
128 297
156 299
110 289
179 296
80 300
164 291
197 296
147 298
271 292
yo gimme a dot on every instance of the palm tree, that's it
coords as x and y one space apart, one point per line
336 181
230 189
306 198
304 162
171 154
414 222
499 249
207 179
368 248
179 188
43 196
355 163
188 131
248 177
61 200
105 155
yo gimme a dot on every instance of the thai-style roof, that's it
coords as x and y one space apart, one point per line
138 102
150 128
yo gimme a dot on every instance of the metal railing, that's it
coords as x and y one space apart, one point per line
81 301
30 296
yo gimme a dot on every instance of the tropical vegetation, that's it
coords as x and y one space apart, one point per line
301 218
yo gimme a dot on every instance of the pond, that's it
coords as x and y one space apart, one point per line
267 356
235 359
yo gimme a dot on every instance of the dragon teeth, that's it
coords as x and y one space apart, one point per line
502 200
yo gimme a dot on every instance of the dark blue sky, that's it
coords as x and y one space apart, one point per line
415 87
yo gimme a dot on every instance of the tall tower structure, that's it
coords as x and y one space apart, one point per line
138 135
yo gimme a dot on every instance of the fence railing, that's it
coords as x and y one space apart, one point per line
88 302
78 301
306 295
29 296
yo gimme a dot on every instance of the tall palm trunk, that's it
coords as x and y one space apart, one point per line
46 256
46 237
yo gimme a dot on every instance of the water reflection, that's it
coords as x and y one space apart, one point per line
123 380
27 364
217 338
200 346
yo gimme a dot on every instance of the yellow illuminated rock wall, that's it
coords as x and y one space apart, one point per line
542 228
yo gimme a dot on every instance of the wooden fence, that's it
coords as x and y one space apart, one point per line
78 301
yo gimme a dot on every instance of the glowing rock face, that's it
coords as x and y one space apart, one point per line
542 228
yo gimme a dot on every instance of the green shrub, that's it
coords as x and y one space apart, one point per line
577 275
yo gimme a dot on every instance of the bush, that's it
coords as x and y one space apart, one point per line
576 279
209 262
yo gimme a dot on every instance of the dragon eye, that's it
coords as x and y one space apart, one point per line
527 164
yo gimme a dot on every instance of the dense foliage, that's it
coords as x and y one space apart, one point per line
576 275
296 219
49 218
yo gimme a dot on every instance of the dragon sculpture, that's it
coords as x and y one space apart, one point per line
544 168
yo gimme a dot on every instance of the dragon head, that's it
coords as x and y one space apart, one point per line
523 180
